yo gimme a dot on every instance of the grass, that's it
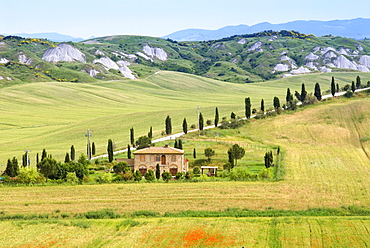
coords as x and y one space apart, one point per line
56 115
190 232
327 173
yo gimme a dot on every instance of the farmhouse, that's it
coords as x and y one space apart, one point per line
169 159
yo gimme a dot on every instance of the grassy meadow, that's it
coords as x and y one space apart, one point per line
56 115
326 163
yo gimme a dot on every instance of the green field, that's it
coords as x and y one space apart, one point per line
326 160
56 115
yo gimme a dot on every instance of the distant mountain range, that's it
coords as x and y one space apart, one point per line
51 36
354 28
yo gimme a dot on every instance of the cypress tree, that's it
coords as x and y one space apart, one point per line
44 154
37 158
303 93
353 87
184 126
358 82
289 97
179 144
24 160
248 107
168 125
337 89
66 159
73 153
12 168
332 86
93 149
262 105
132 136
194 153
216 117
110 150
175 145
317 91
128 152
157 171
201 121
276 102
150 133
232 116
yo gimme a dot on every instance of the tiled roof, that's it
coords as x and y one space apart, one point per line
159 150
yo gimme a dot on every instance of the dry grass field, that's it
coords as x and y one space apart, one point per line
327 164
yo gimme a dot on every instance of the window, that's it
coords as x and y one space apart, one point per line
157 158
173 158
142 158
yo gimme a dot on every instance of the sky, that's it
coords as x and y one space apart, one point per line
157 18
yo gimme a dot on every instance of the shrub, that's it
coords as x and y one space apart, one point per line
241 173
188 175
71 177
348 94
265 173
166 176
149 176
137 176
30 176
128 176
104 178
196 171
178 175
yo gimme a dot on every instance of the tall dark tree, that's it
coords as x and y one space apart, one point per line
73 153
66 158
236 152
12 168
247 107
317 91
128 152
358 82
132 136
179 144
232 115
297 95
217 118
93 149
24 160
353 87
150 133
288 98
157 171
268 159
37 158
201 121
231 160
110 150
276 102
168 125
184 126
303 93
194 153
337 89
262 105
44 154
332 86
175 144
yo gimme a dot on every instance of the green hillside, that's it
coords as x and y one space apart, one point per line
238 59
56 115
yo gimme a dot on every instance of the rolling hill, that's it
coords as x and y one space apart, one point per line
239 59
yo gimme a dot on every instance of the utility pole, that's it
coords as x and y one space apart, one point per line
198 121
27 158
88 135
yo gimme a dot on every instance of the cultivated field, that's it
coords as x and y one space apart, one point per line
326 161
55 116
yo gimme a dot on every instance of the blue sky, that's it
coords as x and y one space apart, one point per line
86 18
